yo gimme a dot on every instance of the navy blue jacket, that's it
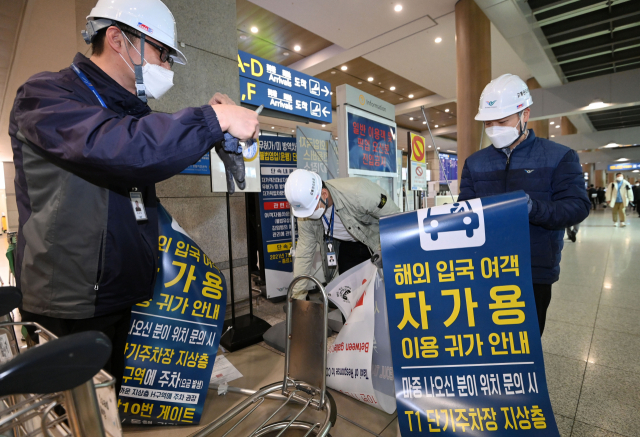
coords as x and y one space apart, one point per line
81 253
551 175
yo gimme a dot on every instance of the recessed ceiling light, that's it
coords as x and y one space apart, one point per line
398 8
424 122
296 48
254 29
243 37
596 104
411 118
331 93
360 83
370 79
446 110
553 122
285 53
401 98
611 145
392 88
436 125
273 127
333 72
381 91
292 130
429 146
438 148
553 136
324 125
557 126
635 171
343 68
438 40
411 96
622 159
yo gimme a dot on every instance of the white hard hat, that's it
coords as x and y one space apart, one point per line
302 190
506 95
150 17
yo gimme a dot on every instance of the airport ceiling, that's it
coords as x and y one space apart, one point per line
593 38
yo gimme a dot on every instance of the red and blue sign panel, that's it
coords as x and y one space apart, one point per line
372 145
465 342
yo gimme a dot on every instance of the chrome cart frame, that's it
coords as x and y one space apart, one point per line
304 379
72 413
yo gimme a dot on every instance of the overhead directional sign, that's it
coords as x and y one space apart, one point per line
625 166
282 89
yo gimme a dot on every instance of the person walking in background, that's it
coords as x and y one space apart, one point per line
602 196
636 197
593 196
619 195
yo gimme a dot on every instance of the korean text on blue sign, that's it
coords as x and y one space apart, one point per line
200 167
467 356
625 166
282 89
449 167
173 338
372 145
278 159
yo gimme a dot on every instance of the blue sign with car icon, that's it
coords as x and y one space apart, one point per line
458 219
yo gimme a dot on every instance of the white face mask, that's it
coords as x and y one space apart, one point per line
317 214
157 80
503 136
619 178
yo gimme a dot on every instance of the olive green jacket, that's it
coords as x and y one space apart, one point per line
359 203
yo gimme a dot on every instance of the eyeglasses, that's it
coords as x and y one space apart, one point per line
165 54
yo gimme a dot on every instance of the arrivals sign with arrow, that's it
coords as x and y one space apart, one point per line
282 89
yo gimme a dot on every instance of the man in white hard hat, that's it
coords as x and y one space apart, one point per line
84 141
549 173
341 217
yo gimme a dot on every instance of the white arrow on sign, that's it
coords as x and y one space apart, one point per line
325 112
325 90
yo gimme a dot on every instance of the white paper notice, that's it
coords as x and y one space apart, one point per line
345 291
223 372
350 361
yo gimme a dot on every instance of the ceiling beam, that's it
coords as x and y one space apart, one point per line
617 90
596 140
334 56
427 102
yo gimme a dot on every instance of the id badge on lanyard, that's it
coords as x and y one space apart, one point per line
332 260
138 205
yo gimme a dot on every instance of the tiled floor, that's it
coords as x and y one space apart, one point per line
591 344
592 339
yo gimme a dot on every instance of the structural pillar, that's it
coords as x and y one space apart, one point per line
600 178
473 56
540 127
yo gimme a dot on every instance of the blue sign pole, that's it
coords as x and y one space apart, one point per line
467 356
278 159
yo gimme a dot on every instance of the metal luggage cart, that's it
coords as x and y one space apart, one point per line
304 376
63 371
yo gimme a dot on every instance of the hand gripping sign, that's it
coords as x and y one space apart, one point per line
173 338
466 348
359 362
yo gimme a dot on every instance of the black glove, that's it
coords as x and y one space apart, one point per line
376 258
233 163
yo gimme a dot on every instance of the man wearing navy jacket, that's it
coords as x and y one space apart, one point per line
549 173
86 146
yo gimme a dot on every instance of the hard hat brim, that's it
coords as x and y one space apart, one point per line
304 212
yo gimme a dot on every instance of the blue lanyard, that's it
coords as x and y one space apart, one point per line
330 224
84 79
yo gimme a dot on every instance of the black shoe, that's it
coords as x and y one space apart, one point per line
572 236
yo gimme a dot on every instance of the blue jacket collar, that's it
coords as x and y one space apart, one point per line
115 96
